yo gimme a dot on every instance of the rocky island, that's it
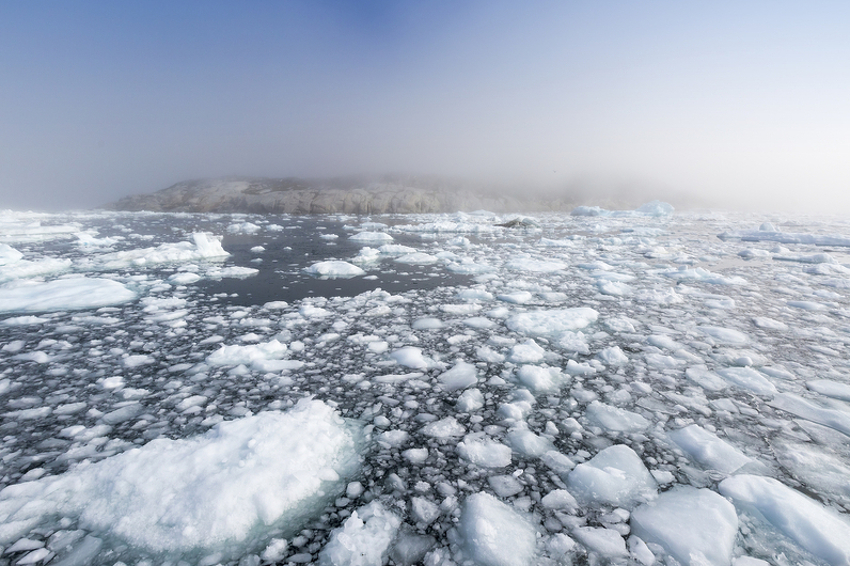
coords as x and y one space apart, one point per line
349 195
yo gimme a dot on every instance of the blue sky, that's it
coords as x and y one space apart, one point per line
742 102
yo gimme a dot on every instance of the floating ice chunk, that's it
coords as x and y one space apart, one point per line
479 449
474 295
424 511
614 418
541 379
469 401
371 237
334 270
560 499
613 356
576 368
122 414
573 342
616 476
209 492
469 268
817 468
663 341
373 226
479 322
461 376
769 323
702 275
787 238
607 543
805 409
589 211
504 486
427 323
525 442
202 246
191 402
705 378
619 324
519 298
367 255
462 309
411 356
551 322
38 268
557 462
655 208
248 354
415 455
363 540
527 352
137 360
696 526
811 258
535 265
614 288
724 335
834 389
417 258
63 294
444 428
816 528
748 378
807 305
9 255
751 253
709 450
232 272
494 534
184 278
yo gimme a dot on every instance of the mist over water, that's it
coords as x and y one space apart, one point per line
726 105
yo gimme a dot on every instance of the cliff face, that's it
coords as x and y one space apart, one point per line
350 196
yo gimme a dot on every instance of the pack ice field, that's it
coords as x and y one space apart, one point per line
633 387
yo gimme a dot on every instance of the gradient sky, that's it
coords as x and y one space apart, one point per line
744 103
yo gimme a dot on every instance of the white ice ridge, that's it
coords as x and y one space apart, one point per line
209 492
816 528
62 294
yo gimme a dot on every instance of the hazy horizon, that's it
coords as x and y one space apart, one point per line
728 104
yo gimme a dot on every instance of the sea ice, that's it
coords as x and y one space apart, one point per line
477 448
709 450
364 539
696 526
551 322
461 376
819 530
210 492
494 534
334 270
616 476
63 294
